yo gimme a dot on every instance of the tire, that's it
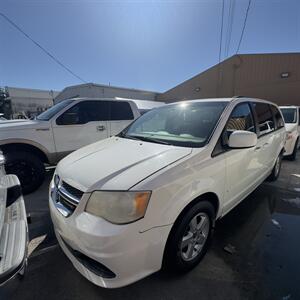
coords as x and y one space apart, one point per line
183 256
276 169
28 167
294 154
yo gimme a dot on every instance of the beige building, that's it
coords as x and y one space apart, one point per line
275 77
30 101
103 91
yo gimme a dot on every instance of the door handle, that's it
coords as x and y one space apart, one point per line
100 128
265 144
257 148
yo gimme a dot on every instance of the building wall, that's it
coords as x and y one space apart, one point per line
30 100
252 75
103 91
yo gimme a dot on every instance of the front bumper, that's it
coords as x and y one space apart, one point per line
123 250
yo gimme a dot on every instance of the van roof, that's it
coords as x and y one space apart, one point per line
232 99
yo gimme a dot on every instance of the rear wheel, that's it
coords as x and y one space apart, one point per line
189 238
276 169
28 167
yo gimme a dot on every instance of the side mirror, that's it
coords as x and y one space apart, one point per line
242 139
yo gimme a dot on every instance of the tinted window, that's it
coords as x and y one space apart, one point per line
183 124
84 112
121 111
279 123
289 114
264 118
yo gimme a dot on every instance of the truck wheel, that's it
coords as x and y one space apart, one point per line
189 238
294 154
28 167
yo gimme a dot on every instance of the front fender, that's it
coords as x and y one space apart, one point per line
175 187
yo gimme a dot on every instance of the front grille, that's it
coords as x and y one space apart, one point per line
63 200
71 190
66 198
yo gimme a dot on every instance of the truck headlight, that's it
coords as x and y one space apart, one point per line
118 207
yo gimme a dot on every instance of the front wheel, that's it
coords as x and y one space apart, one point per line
28 167
189 238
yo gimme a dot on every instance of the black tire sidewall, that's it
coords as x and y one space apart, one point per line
34 162
172 257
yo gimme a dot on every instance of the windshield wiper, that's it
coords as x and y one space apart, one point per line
147 139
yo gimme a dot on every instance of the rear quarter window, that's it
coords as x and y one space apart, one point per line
120 111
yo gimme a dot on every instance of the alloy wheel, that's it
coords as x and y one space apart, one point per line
195 236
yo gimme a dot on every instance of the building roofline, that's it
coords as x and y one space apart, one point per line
106 86
29 89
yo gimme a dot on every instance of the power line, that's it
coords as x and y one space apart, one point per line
41 47
244 26
221 32
229 27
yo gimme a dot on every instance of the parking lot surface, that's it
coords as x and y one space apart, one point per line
254 254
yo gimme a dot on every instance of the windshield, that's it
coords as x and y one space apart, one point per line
289 115
52 111
183 124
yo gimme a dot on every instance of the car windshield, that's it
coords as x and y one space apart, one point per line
186 124
289 115
52 111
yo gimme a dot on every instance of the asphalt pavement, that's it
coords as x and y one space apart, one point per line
254 254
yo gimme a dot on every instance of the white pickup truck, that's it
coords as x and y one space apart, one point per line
67 126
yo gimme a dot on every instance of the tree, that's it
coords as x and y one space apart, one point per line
5 103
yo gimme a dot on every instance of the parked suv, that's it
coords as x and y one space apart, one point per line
65 127
291 115
124 207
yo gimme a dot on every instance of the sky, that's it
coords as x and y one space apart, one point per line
150 45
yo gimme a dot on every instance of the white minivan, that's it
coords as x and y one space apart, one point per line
291 115
149 197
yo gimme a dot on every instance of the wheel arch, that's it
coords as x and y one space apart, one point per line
210 197
26 147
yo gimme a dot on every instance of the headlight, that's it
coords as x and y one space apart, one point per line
118 207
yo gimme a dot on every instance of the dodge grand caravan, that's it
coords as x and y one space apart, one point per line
149 197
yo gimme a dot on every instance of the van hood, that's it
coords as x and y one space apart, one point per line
116 163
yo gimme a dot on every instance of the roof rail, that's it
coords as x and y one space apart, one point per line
238 96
